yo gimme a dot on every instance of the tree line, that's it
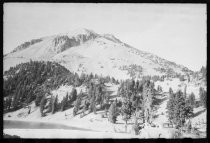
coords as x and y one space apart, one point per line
30 81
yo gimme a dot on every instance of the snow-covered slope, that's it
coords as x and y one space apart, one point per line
100 127
83 50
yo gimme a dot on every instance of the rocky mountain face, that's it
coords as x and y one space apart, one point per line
85 51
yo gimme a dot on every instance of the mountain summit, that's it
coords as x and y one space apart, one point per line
83 50
82 31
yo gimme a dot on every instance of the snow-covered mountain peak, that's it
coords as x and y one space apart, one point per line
83 50
82 31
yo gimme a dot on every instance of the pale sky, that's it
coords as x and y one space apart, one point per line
176 32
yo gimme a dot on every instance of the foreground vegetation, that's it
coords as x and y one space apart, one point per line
34 81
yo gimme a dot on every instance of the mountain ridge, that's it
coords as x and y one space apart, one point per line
89 50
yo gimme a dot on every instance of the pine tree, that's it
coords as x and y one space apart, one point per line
171 107
64 102
82 78
203 97
188 78
192 99
73 95
181 78
185 91
49 108
90 91
77 80
132 86
74 112
76 106
42 104
99 95
203 71
183 110
170 91
159 88
85 106
54 104
15 101
188 109
148 100
136 127
125 110
140 87
136 103
92 105
39 94
108 79
112 113
91 76
179 109
5 104
106 102
9 102
189 126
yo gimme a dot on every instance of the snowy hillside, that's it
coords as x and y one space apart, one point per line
97 125
83 50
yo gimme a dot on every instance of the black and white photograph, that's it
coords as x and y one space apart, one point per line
104 70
